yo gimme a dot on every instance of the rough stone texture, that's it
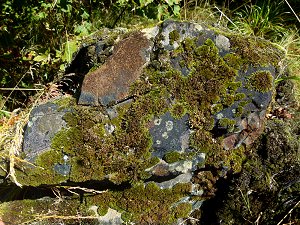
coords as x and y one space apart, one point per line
178 107
44 122
169 134
111 82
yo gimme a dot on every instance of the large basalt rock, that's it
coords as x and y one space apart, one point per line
173 102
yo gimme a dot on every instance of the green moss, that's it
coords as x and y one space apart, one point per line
182 210
261 81
239 111
233 60
239 96
172 157
228 100
173 36
146 203
65 102
261 185
233 86
243 103
44 211
227 123
257 52
189 45
216 108
235 159
181 188
42 172
178 110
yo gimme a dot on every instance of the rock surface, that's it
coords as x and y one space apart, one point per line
177 105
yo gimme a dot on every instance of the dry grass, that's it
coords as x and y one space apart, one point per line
11 137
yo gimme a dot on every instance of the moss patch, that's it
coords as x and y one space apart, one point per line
178 110
45 210
172 157
42 171
261 81
146 203
173 36
257 52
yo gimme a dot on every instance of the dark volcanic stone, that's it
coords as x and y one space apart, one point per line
44 122
169 134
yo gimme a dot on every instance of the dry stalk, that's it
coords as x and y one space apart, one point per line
88 190
14 148
289 212
11 139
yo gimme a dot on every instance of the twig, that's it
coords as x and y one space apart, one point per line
227 18
84 189
246 200
21 89
288 213
292 10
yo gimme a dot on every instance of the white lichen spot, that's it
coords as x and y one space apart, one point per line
158 142
111 217
198 27
169 125
222 43
109 128
29 124
157 122
175 45
183 167
165 135
150 32
184 140
220 116
94 208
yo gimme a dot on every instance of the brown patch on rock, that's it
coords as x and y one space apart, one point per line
112 80
161 170
230 141
251 127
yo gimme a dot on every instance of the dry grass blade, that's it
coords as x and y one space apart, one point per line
292 10
292 209
21 89
223 14
88 190
14 150
11 138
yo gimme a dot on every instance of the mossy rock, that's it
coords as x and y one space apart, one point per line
166 99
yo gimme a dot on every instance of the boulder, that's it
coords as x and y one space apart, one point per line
167 114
